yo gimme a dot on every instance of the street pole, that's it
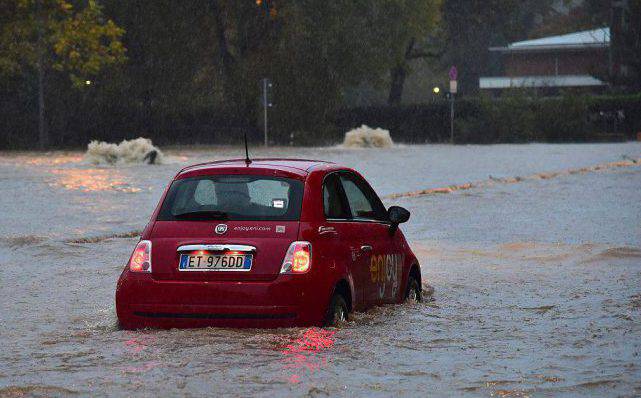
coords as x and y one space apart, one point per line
265 108
453 90
451 118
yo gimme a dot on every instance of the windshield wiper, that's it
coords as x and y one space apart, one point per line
202 215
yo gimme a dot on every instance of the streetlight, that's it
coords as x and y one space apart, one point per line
436 90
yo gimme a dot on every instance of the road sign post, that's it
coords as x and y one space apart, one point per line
453 91
451 118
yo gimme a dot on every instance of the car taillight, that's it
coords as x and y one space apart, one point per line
298 259
140 260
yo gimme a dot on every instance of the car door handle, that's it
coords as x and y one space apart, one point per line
366 248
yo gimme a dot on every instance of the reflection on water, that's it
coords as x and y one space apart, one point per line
54 160
139 342
306 353
93 180
39 158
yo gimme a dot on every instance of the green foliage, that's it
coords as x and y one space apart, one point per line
562 119
323 48
205 54
471 26
77 42
628 46
83 44
313 51
515 118
171 51
420 19
509 119
192 69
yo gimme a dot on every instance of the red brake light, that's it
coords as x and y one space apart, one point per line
298 259
140 260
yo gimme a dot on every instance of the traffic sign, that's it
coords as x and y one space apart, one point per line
453 73
453 86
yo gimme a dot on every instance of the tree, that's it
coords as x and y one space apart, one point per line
627 45
406 31
313 51
50 36
624 19
586 15
471 26
323 48
246 35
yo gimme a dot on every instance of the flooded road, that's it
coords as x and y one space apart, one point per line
537 284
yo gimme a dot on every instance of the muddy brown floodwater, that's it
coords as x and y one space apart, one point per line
537 284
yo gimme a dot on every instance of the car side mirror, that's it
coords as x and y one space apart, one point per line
397 215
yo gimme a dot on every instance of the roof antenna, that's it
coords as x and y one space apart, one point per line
247 160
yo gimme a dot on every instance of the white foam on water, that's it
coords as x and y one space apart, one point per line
128 151
367 137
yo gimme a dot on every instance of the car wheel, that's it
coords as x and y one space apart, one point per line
413 294
337 312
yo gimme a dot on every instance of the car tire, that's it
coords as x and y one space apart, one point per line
413 293
337 313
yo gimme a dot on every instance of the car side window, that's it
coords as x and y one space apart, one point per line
332 199
363 202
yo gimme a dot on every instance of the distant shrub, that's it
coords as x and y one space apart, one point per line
517 116
510 118
563 119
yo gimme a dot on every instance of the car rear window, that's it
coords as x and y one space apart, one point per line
233 197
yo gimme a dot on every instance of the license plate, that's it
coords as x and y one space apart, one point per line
215 262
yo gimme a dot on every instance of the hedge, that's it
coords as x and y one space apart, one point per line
513 118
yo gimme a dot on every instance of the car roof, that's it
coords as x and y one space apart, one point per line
298 167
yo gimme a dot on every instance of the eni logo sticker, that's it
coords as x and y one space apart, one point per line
384 271
221 229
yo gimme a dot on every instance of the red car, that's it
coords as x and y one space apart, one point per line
266 243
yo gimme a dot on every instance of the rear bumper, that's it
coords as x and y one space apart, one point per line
143 302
